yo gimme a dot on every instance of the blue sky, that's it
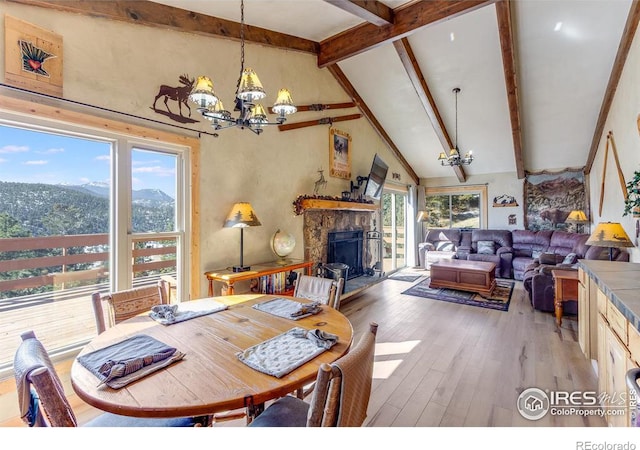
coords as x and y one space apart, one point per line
36 157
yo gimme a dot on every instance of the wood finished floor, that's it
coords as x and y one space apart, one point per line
441 364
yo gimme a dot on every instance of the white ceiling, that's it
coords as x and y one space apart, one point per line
562 76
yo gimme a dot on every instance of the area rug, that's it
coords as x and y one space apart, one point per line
499 300
406 276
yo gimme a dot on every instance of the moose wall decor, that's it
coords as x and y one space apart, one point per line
179 94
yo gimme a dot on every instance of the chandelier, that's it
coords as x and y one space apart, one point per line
251 115
454 158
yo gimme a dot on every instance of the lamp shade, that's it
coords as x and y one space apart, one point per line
609 234
250 88
242 215
577 216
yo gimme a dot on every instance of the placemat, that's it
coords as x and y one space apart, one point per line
287 308
124 362
286 352
170 314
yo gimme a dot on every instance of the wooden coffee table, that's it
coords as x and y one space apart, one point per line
463 275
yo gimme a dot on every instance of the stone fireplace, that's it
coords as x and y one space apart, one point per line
345 225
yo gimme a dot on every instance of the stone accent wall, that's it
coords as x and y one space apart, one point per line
319 222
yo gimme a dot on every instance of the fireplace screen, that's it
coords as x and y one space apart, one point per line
346 247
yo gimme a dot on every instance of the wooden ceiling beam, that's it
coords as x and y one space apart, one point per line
167 17
372 11
616 72
406 20
350 90
505 29
412 67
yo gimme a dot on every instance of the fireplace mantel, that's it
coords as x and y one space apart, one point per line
314 203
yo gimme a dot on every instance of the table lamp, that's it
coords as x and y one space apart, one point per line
579 218
241 216
609 234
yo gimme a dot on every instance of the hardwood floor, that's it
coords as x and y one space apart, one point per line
441 364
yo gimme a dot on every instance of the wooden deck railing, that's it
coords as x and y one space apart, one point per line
91 249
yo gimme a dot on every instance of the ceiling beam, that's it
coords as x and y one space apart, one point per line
505 29
407 20
350 90
616 72
167 17
372 11
412 67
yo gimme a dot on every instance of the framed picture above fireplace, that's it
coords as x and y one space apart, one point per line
339 154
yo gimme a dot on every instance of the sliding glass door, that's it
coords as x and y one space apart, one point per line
394 207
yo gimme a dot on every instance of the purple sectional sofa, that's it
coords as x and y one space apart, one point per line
524 255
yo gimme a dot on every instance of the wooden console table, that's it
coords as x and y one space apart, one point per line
227 277
566 288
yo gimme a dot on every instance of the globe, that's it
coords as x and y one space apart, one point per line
282 244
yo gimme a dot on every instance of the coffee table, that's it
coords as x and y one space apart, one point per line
463 275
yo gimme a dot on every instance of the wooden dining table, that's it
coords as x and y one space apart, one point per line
210 378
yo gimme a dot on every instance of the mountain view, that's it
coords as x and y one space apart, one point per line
44 210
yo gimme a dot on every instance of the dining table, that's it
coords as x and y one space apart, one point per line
210 378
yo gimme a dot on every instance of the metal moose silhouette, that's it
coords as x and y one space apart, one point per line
178 94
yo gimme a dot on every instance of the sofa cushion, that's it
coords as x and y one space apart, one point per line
486 247
571 258
547 258
445 246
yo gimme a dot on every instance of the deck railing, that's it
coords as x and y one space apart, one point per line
46 285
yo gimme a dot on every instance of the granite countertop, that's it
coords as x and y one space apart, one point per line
620 281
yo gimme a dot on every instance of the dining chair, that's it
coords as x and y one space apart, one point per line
115 307
168 289
324 290
341 395
42 399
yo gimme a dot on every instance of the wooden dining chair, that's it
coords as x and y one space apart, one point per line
324 290
168 289
42 399
115 307
341 395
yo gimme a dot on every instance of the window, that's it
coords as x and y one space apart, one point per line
84 210
450 207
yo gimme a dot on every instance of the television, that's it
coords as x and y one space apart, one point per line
375 181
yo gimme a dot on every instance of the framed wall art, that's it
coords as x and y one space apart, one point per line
339 154
549 197
33 57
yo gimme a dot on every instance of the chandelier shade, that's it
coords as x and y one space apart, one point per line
454 158
251 115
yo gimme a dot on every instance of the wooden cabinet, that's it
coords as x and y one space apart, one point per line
587 315
614 360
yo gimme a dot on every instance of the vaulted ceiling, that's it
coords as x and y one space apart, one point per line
536 76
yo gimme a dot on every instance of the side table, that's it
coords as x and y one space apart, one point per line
566 287
268 269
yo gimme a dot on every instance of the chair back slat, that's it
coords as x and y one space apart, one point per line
33 369
115 307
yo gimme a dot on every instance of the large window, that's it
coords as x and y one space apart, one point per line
456 207
83 211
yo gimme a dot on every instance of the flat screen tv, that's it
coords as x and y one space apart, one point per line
375 182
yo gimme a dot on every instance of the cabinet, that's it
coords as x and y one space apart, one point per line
608 321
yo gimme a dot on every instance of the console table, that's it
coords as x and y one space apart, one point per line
566 288
273 269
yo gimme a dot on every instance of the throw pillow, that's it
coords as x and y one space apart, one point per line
445 246
486 247
547 258
571 258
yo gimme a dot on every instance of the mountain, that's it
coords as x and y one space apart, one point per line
46 209
146 197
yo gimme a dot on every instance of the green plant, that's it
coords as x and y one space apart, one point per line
633 194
